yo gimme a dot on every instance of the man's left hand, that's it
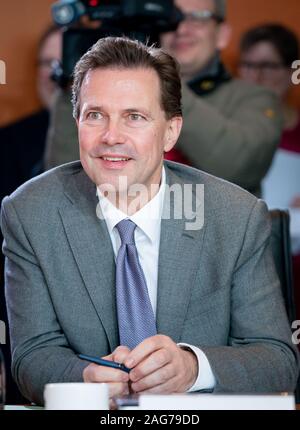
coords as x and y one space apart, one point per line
160 366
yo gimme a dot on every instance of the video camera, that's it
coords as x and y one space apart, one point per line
143 20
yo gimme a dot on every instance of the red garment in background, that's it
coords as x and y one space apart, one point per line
176 155
290 140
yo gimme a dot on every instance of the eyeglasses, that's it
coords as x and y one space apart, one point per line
262 66
198 18
46 62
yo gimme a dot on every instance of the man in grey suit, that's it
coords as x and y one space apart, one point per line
213 301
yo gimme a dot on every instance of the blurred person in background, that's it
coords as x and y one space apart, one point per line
23 142
267 54
22 145
50 51
231 128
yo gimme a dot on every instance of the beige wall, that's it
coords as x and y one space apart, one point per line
22 22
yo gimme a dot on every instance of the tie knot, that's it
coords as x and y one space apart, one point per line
126 229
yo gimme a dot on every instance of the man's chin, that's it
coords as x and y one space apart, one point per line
187 67
118 184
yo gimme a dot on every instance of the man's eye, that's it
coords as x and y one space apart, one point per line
136 117
94 115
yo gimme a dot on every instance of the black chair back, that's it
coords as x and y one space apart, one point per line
281 247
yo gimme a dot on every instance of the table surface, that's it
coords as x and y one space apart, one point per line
38 408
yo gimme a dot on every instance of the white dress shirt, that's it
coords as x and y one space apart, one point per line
147 239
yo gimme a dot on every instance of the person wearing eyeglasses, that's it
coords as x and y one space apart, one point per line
231 128
22 148
23 141
267 55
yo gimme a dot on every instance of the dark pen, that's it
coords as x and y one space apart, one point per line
103 362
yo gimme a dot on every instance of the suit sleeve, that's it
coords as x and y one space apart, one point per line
37 341
260 356
235 142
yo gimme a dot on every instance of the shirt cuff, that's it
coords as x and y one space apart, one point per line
205 379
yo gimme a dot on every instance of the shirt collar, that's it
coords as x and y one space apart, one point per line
210 70
148 218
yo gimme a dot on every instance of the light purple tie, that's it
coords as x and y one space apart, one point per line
135 314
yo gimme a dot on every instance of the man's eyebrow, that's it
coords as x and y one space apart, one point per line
93 108
98 108
138 110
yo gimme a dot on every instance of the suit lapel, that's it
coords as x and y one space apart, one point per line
179 255
91 246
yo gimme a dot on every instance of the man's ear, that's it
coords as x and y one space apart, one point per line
173 132
224 35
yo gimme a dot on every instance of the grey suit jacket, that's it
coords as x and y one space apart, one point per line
217 287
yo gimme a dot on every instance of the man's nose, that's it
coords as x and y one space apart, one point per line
113 133
252 74
257 75
183 28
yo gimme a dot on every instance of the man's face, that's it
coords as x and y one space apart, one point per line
194 44
262 65
123 130
50 51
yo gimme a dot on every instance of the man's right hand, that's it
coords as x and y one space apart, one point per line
117 380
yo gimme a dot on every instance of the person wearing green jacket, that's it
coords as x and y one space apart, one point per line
231 129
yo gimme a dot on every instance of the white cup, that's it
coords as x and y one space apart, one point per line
74 396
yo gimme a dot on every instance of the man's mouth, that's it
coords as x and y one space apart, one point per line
116 158
182 44
115 162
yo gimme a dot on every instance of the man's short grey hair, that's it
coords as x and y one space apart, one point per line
220 6
121 53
